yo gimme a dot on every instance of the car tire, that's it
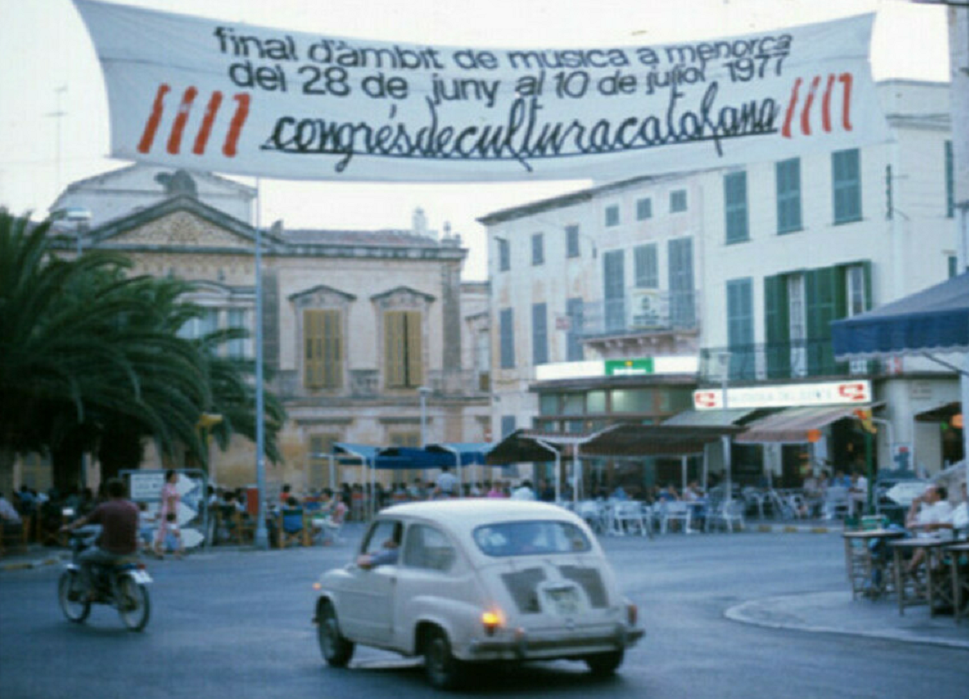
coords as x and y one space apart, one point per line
336 649
443 670
604 664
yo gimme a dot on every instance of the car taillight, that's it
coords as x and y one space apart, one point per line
491 620
632 613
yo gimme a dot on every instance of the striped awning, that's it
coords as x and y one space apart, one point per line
794 425
708 418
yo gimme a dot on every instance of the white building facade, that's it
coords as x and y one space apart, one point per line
753 261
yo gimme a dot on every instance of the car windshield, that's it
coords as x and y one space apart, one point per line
530 538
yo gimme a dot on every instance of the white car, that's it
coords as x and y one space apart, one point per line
473 581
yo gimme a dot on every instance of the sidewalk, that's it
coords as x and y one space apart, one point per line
836 612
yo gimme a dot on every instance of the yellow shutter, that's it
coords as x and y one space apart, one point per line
415 358
332 349
394 348
312 342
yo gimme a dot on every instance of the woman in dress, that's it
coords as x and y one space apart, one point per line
170 498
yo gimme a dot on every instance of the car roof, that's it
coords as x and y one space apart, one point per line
472 512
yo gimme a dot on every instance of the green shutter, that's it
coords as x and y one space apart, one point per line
415 359
777 326
821 291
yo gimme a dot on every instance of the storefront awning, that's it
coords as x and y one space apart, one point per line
794 425
940 413
622 440
707 418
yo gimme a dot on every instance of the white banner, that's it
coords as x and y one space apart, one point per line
234 98
786 395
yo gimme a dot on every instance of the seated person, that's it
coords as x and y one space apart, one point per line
387 555
173 537
928 513
291 521
330 516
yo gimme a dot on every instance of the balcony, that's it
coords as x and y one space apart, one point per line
662 321
365 383
781 361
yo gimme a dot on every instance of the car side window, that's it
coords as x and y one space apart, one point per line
382 532
428 548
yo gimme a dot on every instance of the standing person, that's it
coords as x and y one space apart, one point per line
447 484
170 498
118 518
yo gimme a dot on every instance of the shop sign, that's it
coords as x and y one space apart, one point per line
785 396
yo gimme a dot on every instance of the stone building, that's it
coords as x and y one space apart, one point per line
354 322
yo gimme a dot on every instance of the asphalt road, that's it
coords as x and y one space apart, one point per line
236 624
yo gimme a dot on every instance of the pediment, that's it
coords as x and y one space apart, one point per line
181 229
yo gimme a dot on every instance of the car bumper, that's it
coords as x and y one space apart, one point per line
520 644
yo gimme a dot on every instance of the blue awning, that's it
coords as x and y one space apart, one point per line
469 452
935 320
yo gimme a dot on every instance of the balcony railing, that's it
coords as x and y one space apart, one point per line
782 360
365 383
641 311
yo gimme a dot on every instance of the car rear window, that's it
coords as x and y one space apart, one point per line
530 538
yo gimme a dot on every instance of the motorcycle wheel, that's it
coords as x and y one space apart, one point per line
133 604
72 596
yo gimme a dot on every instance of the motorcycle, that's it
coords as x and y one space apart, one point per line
123 585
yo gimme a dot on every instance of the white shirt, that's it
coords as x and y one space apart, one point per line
7 511
934 514
960 516
523 493
447 482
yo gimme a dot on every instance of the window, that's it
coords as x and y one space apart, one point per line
403 349
950 182
677 201
538 249
404 439
508 425
788 183
735 206
682 295
323 349
953 263
644 209
740 328
571 241
856 287
201 326
539 334
846 178
612 215
504 255
237 319
506 331
613 267
647 266
427 548
573 347
639 400
797 328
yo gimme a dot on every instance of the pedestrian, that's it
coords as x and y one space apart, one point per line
170 499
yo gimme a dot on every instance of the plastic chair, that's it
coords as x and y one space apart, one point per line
727 514
630 518
675 511
290 527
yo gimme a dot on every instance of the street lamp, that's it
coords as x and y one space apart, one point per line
423 391
724 359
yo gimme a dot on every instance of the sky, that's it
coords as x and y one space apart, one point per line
50 68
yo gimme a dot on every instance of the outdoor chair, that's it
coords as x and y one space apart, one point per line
630 518
727 514
290 527
753 501
589 511
835 502
675 511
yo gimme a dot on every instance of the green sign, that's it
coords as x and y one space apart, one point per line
629 367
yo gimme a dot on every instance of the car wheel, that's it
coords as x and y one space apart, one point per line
604 664
443 670
336 649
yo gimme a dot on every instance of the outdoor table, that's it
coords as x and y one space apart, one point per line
907 586
859 562
960 579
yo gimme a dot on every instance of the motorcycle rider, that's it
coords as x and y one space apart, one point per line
118 518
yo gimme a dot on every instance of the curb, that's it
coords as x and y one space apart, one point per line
27 565
758 613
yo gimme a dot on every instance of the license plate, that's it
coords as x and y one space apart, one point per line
140 576
564 600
